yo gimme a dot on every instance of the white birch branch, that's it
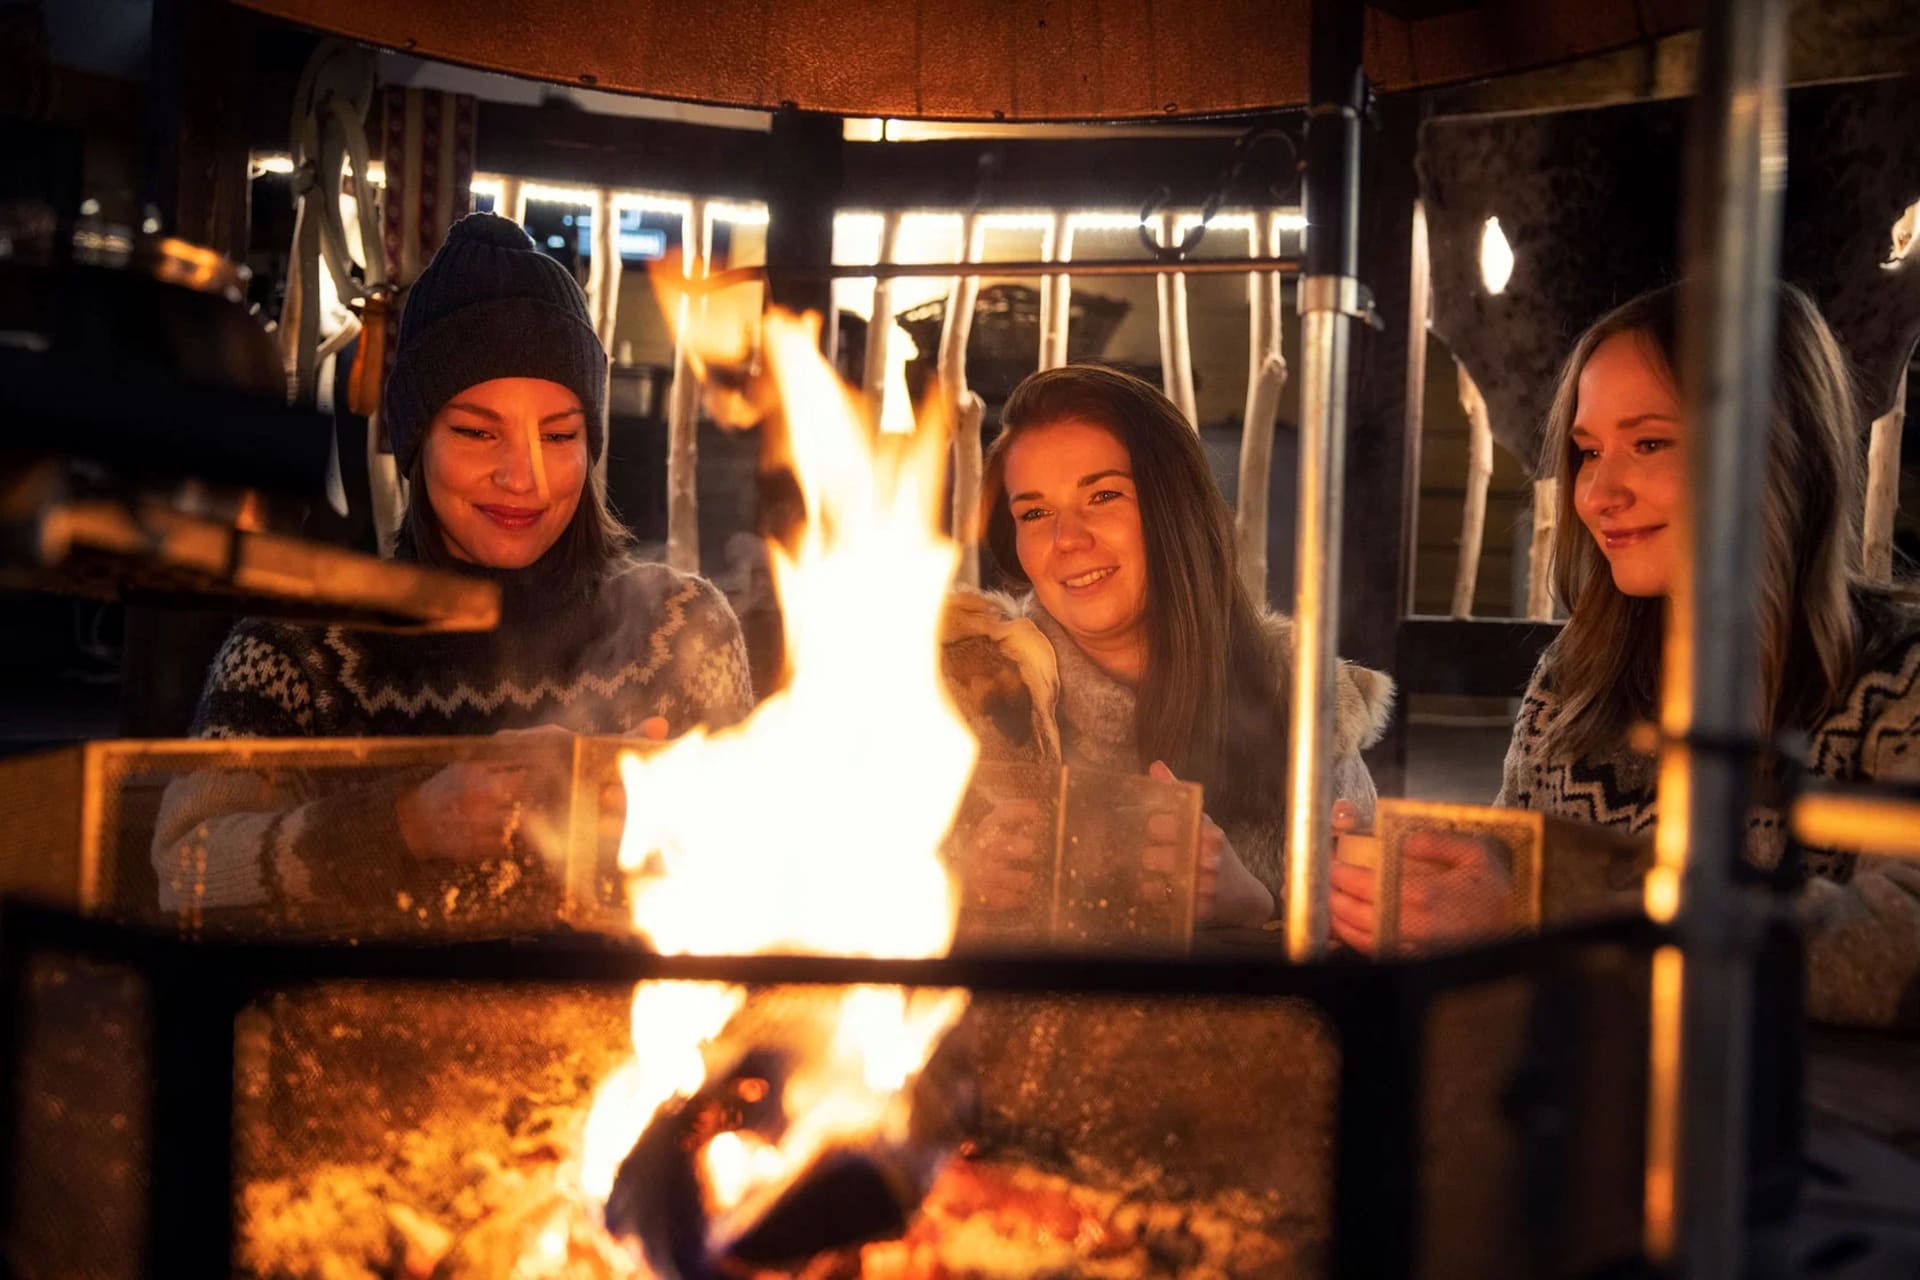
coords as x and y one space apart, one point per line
1473 519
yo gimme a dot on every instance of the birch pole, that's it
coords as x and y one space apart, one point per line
1546 517
1176 347
880 325
1055 321
603 290
1266 378
513 200
966 407
1473 518
603 266
683 409
1883 487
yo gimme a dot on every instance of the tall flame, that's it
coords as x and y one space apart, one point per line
814 826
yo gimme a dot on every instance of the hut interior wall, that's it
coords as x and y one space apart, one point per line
190 80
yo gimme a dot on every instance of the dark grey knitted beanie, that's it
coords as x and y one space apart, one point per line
491 305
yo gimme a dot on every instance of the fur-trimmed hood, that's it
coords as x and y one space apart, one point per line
1007 677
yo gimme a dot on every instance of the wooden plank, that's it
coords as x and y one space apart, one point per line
628 152
1029 59
554 144
1469 657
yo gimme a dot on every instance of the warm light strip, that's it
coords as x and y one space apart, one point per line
1238 222
754 214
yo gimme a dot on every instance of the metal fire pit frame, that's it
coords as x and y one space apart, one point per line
197 989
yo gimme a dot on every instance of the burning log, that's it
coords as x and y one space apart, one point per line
846 1195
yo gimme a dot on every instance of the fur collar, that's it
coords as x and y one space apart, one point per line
1363 698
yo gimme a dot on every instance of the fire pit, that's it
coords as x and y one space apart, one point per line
764 1051
411 1110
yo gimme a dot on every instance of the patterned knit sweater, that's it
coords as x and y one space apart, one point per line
643 641
1862 914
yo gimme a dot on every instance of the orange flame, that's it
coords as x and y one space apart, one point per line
815 826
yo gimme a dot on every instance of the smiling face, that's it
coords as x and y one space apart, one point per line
1076 518
505 462
1629 488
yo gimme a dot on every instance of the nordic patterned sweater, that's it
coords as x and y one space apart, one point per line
642 641
1862 914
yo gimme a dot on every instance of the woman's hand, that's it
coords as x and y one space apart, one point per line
477 810
1453 889
1003 863
1225 893
1352 879
464 813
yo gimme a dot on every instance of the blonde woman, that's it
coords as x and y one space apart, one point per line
1839 660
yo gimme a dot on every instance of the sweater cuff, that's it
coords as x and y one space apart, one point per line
341 857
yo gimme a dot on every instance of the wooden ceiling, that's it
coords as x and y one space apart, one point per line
1030 60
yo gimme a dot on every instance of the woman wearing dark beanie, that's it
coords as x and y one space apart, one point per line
496 406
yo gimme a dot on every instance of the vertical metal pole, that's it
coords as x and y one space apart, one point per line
1329 301
190 1199
1701 1016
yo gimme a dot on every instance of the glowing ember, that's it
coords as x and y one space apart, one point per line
815 825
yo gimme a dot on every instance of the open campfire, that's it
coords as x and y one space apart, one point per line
855 769
782 1131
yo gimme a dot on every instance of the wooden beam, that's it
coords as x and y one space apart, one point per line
803 187
587 148
1030 173
802 183
554 144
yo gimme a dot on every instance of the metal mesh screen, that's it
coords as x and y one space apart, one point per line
1169 1135
384 1128
1533 1101
78 1172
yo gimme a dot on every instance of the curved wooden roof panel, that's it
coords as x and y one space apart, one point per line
980 59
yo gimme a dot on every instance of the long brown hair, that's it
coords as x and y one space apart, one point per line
1605 667
593 542
1209 664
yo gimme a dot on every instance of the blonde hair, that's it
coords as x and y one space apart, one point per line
1605 667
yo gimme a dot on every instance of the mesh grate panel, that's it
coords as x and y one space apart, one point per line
79 1163
1185 1134
1533 1122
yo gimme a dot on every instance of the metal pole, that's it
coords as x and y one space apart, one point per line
1330 299
1696 1171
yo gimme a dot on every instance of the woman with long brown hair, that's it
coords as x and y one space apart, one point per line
1139 648
1839 659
